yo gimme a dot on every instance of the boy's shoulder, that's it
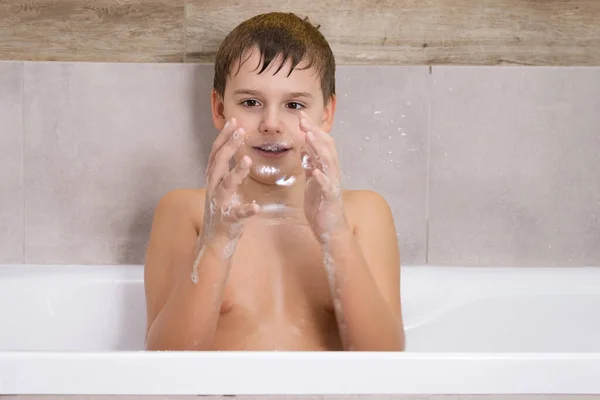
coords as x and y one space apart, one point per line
366 207
183 198
182 203
362 199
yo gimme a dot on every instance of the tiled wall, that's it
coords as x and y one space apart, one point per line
481 165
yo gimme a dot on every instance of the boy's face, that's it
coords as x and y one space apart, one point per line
267 106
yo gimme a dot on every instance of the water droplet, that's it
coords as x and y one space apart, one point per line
390 152
389 137
360 148
403 134
402 116
367 138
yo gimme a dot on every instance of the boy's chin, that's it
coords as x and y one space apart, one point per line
272 175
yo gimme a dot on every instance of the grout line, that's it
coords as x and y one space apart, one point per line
24 255
184 30
428 167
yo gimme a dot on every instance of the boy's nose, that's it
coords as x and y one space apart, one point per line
271 122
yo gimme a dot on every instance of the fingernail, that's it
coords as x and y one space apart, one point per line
310 136
226 124
241 133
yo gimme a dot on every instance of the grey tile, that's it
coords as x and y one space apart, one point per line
11 162
103 142
381 130
515 166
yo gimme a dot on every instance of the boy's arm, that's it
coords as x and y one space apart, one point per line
366 284
181 315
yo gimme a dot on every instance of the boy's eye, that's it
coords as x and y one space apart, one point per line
294 105
250 103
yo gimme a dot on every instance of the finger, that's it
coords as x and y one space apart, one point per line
222 138
220 165
324 137
237 175
307 165
330 189
323 155
244 211
308 158
220 142
307 125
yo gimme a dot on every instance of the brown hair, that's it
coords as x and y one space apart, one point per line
276 34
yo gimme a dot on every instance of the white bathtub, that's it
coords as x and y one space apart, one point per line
80 330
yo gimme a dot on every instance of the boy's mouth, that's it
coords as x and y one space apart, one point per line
272 149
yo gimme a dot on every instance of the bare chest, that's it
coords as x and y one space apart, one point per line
278 292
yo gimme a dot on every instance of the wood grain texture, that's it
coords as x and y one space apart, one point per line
385 32
425 32
98 30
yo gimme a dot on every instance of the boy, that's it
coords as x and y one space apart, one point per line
216 276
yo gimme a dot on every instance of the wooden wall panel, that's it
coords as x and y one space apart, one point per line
409 32
92 30
425 32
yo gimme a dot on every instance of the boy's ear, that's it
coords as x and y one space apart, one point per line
217 109
328 114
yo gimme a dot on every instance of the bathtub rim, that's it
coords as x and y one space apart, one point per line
252 373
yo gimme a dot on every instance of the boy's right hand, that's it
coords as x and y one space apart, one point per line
224 213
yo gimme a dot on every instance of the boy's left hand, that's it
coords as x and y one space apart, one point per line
323 204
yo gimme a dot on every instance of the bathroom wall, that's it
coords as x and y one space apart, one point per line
481 165
427 32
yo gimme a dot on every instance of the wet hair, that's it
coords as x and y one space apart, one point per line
277 34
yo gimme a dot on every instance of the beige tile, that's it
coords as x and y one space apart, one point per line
515 166
103 30
103 143
381 129
11 162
